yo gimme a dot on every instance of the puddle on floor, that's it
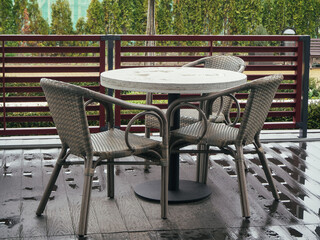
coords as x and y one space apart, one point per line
9 222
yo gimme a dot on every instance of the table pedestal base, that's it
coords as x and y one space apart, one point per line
189 191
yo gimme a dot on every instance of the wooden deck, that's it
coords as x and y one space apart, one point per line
25 172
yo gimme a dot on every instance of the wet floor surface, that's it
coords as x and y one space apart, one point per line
295 168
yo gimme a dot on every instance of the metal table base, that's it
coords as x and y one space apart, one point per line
189 191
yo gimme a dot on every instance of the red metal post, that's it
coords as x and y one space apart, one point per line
3 86
102 116
117 114
117 57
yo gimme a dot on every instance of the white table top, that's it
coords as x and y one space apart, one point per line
171 79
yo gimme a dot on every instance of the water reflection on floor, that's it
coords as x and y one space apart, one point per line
295 168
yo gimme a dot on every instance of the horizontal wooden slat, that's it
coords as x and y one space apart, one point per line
168 49
52 59
36 131
192 58
278 95
55 38
65 79
39 109
37 89
39 118
52 49
250 38
46 69
279 68
207 49
23 99
279 125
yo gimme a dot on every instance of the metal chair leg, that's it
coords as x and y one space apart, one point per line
202 164
266 169
110 180
242 182
85 203
164 191
55 173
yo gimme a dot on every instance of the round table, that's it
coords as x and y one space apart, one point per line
174 81
171 79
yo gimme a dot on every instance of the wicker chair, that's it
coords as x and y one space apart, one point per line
204 132
67 106
220 110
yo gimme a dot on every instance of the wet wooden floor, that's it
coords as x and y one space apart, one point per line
296 169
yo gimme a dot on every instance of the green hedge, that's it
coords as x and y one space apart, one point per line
314 116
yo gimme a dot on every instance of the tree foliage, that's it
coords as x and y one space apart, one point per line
95 21
6 17
26 22
164 16
61 18
81 26
18 13
171 17
38 25
112 16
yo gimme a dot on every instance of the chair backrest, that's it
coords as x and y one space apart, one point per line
231 63
262 92
66 104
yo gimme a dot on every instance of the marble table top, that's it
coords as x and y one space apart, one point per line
171 79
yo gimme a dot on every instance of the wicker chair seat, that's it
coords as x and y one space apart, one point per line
187 117
217 134
111 144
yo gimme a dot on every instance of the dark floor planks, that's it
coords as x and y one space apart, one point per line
10 193
57 212
24 174
31 192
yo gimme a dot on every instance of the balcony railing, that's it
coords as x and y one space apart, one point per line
80 59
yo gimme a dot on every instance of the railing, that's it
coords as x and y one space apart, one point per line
288 55
81 59
28 58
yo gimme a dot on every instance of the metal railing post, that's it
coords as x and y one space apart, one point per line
305 86
3 86
110 39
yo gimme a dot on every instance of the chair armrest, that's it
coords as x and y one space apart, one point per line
147 109
163 126
227 121
208 99
170 113
105 99
241 70
108 108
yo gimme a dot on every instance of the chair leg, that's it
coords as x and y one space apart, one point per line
266 169
164 191
85 203
202 164
147 134
55 173
110 180
242 181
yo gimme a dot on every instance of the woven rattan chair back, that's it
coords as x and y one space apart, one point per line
231 63
66 105
262 92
